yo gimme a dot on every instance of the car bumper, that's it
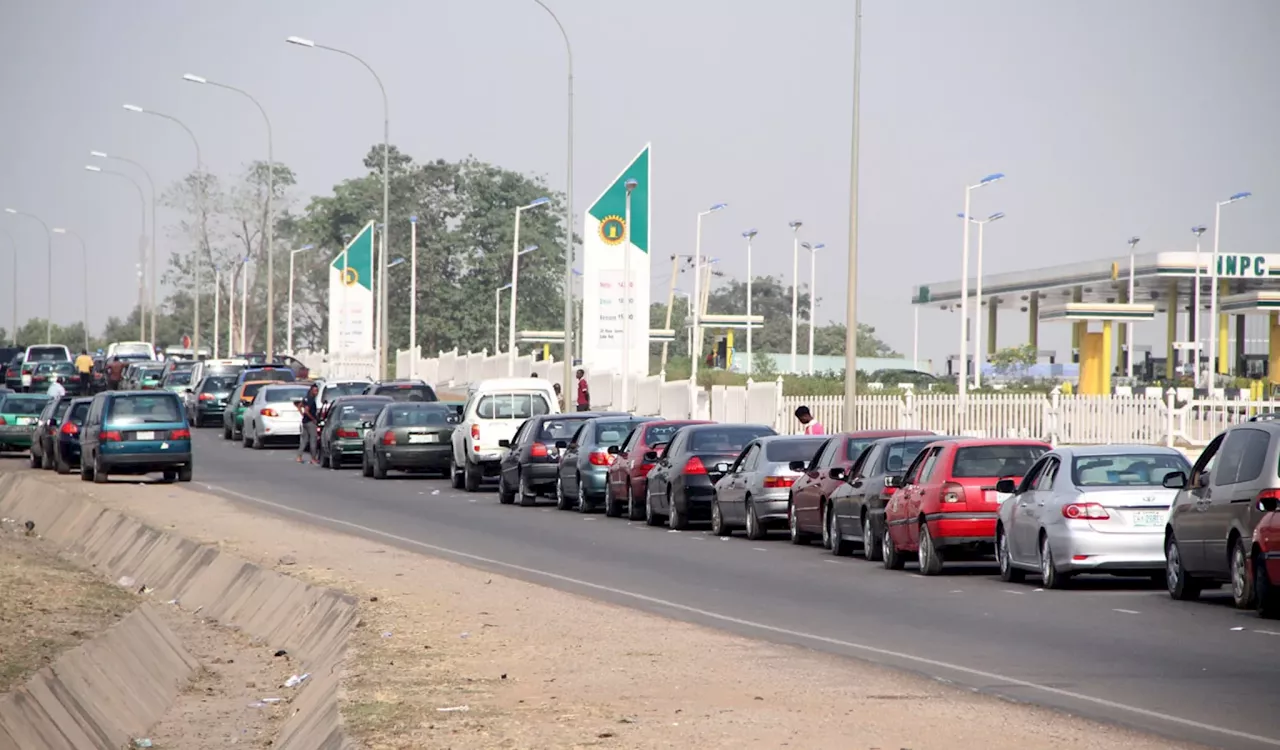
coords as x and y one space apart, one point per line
697 501
123 462
18 436
69 450
540 474
1080 550
593 482
347 447
417 456
771 507
964 527
486 455
210 411
280 428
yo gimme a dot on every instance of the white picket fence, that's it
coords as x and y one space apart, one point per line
344 365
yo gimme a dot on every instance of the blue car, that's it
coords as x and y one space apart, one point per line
133 433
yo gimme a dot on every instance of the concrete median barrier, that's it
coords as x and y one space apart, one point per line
311 622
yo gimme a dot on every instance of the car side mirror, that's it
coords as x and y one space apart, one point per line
562 444
722 467
1267 504
896 481
651 457
504 443
836 473
796 465
1006 487
453 419
614 450
1175 481
366 425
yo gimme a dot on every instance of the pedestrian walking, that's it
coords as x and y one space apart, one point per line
115 371
307 434
584 394
811 426
84 366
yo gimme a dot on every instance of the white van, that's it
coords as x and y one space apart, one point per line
210 366
495 408
131 349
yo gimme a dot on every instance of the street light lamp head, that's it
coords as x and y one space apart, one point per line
504 287
997 216
194 78
718 207
1237 197
11 211
1198 230
750 233
819 246
631 185
991 178
59 230
92 168
1134 241
539 202
413 219
795 224
98 154
396 262
133 108
307 247
300 41
529 249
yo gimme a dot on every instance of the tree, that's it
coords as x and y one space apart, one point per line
1014 359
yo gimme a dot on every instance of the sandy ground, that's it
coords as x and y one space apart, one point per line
518 665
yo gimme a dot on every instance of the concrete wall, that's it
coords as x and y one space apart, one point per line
311 622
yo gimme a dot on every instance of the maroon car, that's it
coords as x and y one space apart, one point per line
812 491
629 474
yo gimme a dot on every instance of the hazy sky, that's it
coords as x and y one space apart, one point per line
1111 119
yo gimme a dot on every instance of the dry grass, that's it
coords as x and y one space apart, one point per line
47 606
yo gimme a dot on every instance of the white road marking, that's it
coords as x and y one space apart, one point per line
1011 591
1127 611
1267 632
673 531
837 562
759 549
588 518
765 628
1237 628
957 591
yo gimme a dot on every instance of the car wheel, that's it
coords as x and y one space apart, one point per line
455 475
633 513
379 468
1177 580
60 464
335 460
505 496
871 545
1265 593
793 526
755 532
365 469
1050 578
893 559
245 440
257 440
527 497
32 459
610 505
584 502
930 555
650 518
675 520
185 473
471 477
170 476
46 461
86 470
99 472
1241 586
826 527
718 527
562 502
840 547
1008 573
226 432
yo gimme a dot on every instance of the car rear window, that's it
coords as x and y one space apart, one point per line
24 405
251 390
179 378
79 412
60 408
1132 470
133 350
613 433
144 409
512 406
414 415
661 433
47 354
279 374
282 395
996 460
405 392
899 454
727 439
335 390
219 384
786 451
360 411
559 429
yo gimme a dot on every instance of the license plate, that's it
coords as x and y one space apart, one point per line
26 380
26 420
424 439
1148 518
146 436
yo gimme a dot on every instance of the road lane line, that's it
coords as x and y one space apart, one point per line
1127 611
763 627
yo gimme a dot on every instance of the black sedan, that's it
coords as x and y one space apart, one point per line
342 437
409 437
65 445
46 432
531 464
584 464
682 482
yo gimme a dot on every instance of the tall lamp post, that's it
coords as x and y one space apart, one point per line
195 292
269 220
568 211
84 257
813 294
151 302
293 254
627 298
217 306
413 297
851 282
1214 363
515 288
13 246
795 289
1128 329
386 192
1193 322
142 249
749 235
497 317
48 323
978 356
695 348
962 378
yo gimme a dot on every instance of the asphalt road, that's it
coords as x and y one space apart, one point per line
1110 649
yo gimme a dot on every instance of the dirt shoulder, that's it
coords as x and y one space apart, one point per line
448 656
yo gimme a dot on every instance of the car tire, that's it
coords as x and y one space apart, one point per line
872 548
32 459
245 440
170 476
86 470
99 471
226 431
650 518
584 501
185 473
60 464
1008 573
365 469
633 513
840 547
610 505
562 502
893 559
258 442
1242 589
1180 584
527 498
471 477
930 556
1265 593
675 520
793 527
755 531
46 461
455 475
505 496
1050 577
379 468
335 460
718 526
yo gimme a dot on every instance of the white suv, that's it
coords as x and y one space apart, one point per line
494 410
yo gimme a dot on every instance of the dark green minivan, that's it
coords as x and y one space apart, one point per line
136 432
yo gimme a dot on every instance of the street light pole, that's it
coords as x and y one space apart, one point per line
13 246
413 297
978 356
568 213
217 299
269 221
695 347
1213 290
142 249
1194 319
497 317
795 289
813 296
48 323
386 194
1128 329
516 252
962 379
292 254
244 305
851 283
154 276
750 235
84 257
627 298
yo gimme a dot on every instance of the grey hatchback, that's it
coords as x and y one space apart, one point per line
1211 523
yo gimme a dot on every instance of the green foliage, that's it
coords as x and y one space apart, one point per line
1014 359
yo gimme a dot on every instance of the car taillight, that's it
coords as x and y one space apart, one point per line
600 458
475 432
270 413
890 490
69 428
694 466
1085 512
1272 494
206 397
779 481
181 434
952 493
538 450
389 438
110 436
3 421
343 432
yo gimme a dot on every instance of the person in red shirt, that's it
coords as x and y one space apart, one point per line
115 371
584 395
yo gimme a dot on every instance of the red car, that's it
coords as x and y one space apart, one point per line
1266 556
628 479
947 504
824 472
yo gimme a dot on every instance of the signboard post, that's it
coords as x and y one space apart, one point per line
351 295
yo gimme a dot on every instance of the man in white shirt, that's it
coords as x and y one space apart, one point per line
57 391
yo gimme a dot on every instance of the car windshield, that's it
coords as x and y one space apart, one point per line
1132 470
791 449
512 406
419 415
281 395
22 404
613 433
218 384
406 392
559 429
251 390
150 372
727 439
144 409
79 412
996 460
900 453
335 390
178 378
361 411
47 354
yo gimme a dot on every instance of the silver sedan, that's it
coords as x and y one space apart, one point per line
1098 509
755 489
